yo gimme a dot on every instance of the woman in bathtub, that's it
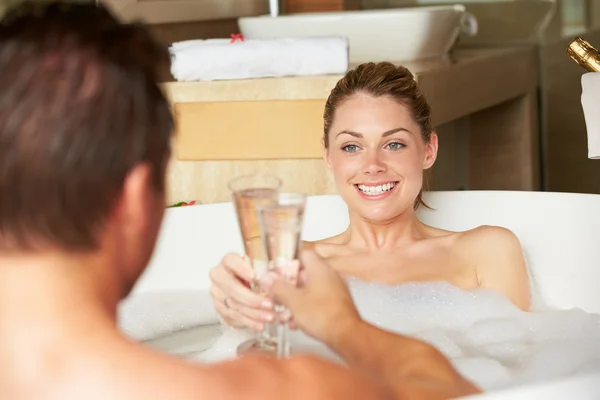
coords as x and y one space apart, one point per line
378 140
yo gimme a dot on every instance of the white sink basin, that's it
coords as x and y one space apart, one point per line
401 34
505 22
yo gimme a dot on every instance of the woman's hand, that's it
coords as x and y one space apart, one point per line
235 302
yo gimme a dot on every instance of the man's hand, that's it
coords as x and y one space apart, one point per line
321 305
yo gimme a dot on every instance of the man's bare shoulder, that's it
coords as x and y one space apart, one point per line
146 374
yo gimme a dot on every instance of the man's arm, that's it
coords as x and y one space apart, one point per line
297 378
324 309
415 368
251 377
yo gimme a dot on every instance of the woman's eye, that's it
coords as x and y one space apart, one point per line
350 148
396 145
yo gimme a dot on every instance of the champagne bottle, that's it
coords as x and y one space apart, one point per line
584 54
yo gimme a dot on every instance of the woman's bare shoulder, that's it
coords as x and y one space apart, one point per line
325 247
499 261
486 238
488 245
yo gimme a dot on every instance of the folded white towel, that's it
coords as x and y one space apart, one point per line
218 59
153 315
590 100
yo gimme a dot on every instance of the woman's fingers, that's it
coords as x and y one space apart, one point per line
238 305
238 266
231 314
253 314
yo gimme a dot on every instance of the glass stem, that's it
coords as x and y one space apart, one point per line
264 336
283 344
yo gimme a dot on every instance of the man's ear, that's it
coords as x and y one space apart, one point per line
134 205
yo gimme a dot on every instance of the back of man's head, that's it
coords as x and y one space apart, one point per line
79 108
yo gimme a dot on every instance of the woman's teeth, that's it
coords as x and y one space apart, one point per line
375 190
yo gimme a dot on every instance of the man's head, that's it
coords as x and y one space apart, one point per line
84 133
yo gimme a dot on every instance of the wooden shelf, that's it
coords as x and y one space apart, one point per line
227 128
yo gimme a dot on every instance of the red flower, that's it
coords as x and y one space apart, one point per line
235 37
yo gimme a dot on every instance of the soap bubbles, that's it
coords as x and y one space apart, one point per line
488 339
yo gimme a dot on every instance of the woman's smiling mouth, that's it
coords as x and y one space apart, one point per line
376 191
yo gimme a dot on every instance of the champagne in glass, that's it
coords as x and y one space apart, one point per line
248 193
281 228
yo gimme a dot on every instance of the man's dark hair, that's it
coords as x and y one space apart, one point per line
80 106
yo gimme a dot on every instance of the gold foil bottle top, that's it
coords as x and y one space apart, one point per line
584 54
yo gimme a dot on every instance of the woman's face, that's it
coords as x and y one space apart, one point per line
377 155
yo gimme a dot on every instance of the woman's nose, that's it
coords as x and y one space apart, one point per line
374 164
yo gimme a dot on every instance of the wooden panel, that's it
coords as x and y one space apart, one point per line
169 11
299 6
451 168
176 32
264 89
482 81
249 130
504 146
206 181
594 14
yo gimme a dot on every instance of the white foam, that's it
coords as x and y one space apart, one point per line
488 339
153 315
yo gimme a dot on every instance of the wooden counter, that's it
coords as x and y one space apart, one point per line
228 128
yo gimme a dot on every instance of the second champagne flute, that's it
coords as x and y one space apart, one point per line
249 192
281 228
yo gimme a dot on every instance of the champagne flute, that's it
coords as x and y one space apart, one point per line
250 191
281 228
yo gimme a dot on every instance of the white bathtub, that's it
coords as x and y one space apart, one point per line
557 231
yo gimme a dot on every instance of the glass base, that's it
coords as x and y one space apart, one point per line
266 348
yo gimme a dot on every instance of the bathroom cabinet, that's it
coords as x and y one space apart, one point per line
485 97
